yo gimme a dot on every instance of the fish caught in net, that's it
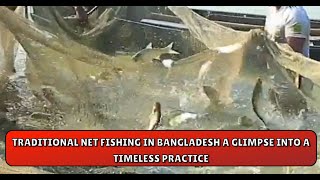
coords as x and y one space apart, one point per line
68 85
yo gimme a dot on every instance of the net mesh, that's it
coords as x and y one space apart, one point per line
81 88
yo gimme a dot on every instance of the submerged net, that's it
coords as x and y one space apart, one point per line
66 85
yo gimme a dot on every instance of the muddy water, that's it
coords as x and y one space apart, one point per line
126 104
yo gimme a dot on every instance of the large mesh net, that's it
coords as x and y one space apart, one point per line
63 84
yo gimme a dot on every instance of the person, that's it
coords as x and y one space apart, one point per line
291 25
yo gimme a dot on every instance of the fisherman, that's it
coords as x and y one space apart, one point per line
291 25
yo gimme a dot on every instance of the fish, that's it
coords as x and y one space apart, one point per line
155 116
205 67
150 53
286 100
213 96
256 100
55 99
216 108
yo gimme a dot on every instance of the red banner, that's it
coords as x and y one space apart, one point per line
161 148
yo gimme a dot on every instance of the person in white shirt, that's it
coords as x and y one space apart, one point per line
291 25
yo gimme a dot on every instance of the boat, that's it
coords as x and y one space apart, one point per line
161 22
237 21
244 18
244 21
249 20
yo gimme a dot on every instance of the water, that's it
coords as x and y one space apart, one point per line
203 124
313 11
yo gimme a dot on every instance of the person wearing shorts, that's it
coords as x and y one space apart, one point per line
291 25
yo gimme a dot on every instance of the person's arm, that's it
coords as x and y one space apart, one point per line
297 31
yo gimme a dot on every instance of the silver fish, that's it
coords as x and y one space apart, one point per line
150 53
155 116
256 100
213 95
203 71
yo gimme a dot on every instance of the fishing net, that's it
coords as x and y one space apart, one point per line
67 85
